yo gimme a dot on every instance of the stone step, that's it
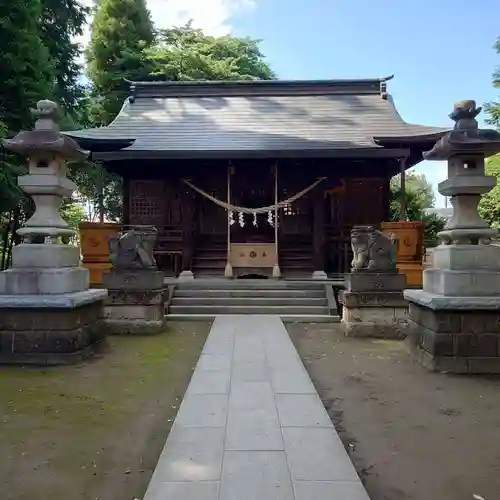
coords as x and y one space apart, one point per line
286 318
249 309
248 301
249 284
209 263
211 256
262 293
297 264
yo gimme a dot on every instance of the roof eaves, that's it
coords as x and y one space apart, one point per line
94 141
426 135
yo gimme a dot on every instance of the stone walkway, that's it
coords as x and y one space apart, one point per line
251 425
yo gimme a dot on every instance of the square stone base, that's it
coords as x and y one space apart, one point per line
136 279
375 322
455 340
365 281
135 312
44 281
460 283
46 335
375 314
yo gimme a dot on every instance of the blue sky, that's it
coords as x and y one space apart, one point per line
440 51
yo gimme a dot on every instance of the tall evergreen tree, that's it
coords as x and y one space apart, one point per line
27 76
121 30
27 69
61 21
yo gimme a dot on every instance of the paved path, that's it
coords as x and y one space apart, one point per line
251 425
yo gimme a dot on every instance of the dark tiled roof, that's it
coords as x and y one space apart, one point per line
258 116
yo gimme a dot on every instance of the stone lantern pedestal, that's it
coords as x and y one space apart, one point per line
455 318
48 314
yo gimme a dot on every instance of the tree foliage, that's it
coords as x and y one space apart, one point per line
121 31
419 197
27 68
89 177
185 53
493 108
60 22
489 206
119 50
38 60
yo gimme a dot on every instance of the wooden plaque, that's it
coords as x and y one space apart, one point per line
253 255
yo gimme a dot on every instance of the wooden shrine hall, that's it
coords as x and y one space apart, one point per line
257 177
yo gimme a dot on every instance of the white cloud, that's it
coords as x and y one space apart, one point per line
212 16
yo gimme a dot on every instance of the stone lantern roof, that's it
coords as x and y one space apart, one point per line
45 139
466 136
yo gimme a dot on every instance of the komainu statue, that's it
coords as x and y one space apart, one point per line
133 249
373 251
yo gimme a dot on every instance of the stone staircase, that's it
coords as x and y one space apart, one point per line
294 301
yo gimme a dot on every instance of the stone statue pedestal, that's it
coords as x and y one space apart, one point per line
455 318
374 306
135 303
48 314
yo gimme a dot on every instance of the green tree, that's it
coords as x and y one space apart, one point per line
121 31
60 22
179 54
73 213
89 177
27 69
419 197
27 76
493 108
186 53
489 206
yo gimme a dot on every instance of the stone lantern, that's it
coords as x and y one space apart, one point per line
47 311
455 318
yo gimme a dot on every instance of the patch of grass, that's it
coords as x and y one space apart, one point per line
74 429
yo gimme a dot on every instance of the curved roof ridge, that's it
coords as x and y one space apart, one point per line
210 88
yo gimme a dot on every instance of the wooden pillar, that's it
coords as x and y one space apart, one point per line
402 200
100 187
228 270
319 231
126 201
187 227
276 267
386 199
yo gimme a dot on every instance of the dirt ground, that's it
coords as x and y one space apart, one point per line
94 431
412 435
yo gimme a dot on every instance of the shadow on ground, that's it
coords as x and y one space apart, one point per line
412 435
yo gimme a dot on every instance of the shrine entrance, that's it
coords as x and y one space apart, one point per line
262 221
252 192
253 237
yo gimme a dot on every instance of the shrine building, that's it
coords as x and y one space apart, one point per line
257 177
